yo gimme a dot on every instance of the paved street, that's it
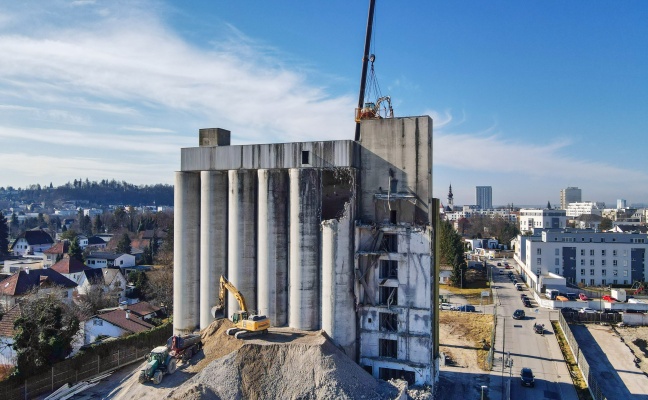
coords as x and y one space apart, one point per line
516 340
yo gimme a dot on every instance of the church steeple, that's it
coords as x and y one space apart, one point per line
450 198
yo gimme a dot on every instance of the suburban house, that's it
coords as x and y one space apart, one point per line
7 355
32 242
144 310
445 272
114 323
111 279
110 260
23 282
55 253
83 241
71 268
96 243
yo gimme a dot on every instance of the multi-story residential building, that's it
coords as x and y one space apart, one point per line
621 203
583 256
467 212
586 207
535 218
484 197
569 195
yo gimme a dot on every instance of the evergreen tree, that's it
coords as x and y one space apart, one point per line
124 244
75 250
97 226
43 333
4 235
548 206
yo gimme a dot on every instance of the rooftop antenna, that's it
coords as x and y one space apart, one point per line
365 60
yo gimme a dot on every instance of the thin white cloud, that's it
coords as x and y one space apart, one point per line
147 129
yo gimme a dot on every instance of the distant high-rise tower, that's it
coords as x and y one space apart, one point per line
621 203
450 198
569 195
484 197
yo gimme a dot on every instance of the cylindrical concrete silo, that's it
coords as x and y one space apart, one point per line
186 252
213 239
272 267
305 214
242 236
338 304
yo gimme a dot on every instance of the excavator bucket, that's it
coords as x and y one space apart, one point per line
218 312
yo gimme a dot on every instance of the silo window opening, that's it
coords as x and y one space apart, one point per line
305 157
388 348
388 322
392 216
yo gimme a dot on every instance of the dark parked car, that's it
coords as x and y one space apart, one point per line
514 281
537 328
523 295
527 302
526 377
466 308
518 314
572 296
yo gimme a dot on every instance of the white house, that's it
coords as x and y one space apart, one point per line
7 354
111 280
114 323
32 242
23 282
586 207
110 260
70 268
55 253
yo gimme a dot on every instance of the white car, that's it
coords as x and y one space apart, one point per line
445 306
587 310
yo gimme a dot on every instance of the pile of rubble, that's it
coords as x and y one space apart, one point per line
284 364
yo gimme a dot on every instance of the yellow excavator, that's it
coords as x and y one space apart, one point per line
245 325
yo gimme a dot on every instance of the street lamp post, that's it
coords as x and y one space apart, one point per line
482 394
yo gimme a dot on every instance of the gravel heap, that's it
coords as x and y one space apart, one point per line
282 365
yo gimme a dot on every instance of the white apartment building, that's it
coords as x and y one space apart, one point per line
586 207
583 256
535 218
467 212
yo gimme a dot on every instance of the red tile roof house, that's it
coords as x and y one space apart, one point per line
23 282
31 242
70 268
114 323
7 355
55 253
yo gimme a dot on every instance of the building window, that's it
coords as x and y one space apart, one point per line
557 261
603 253
625 263
539 252
615 272
614 282
625 272
625 281
539 261
582 262
625 253
582 252
388 269
305 157
603 272
591 272
557 271
388 296
387 348
591 262
388 322
592 282
614 253
592 252
557 252
97 322
615 263
390 243
603 282
582 271
602 262
583 281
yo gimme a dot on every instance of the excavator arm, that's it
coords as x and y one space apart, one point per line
225 285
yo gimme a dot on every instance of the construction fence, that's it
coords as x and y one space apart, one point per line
87 364
583 365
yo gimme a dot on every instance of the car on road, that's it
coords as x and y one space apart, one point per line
445 306
582 297
527 302
587 310
514 282
523 295
506 266
499 264
466 308
518 314
526 377
538 328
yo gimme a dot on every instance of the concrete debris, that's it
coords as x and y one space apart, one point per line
286 364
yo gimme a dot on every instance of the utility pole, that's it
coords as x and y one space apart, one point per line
365 60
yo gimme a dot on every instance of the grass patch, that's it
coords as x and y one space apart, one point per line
472 292
579 383
475 328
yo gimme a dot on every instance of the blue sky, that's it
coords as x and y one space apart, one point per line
527 97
